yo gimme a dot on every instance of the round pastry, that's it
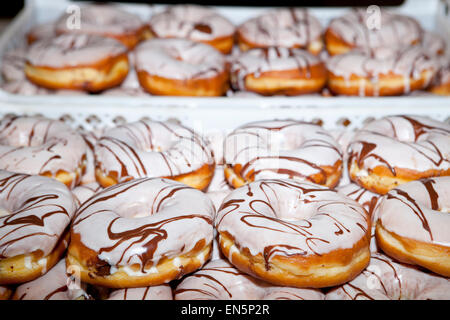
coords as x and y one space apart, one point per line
141 233
282 149
293 233
386 279
413 223
56 284
397 149
41 31
219 280
153 149
13 63
197 23
5 293
181 67
383 72
441 82
162 292
273 70
107 21
290 28
360 29
35 212
77 62
41 146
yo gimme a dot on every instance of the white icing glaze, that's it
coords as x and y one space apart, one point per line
90 138
282 28
418 210
106 20
37 145
433 43
42 31
13 62
179 59
285 217
220 280
394 29
193 22
257 61
83 192
385 279
281 149
143 220
39 210
218 188
151 149
409 142
73 50
56 284
162 292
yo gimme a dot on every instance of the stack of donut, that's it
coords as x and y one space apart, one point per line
276 209
191 50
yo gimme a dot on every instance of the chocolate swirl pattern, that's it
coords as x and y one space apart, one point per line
283 149
35 212
220 280
386 279
151 149
41 146
134 225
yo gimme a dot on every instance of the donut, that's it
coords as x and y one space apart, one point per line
35 214
440 84
144 232
77 62
434 43
290 28
107 21
56 284
295 234
354 30
196 23
5 292
281 149
41 31
162 292
181 67
397 149
13 63
219 280
153 149
413 224
273 70
386 279
41 146
383 72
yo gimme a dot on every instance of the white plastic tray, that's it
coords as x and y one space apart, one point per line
222 113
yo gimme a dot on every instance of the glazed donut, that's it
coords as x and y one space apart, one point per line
352 31
107 21
153 149
383 72
41 31
140 233
413 224
181 67
273 70
219 280
35 212
282 149
196 23
294 234
396 149
290 28
162 292
441 82
77 62
386 279
434 43
56 284
41 146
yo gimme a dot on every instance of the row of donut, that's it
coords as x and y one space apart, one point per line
279 52
117 240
